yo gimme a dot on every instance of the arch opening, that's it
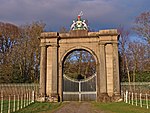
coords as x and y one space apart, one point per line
79 64
79 76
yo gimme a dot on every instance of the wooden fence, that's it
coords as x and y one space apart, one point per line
138 99
14 97
138 87
12 103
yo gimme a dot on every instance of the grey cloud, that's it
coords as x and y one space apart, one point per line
55 13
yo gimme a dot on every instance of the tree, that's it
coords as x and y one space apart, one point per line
123 43
63 30
136 54
141 51
9 35
21 62
142 26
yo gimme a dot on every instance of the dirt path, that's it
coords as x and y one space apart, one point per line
78 107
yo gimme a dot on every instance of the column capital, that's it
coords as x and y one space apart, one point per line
115 43
43 44
102 43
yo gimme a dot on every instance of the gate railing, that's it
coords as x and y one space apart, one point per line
82 90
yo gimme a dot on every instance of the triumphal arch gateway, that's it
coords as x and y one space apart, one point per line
102 85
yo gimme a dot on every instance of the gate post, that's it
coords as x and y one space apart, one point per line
103 96
103 83
52 67
43 70
116 72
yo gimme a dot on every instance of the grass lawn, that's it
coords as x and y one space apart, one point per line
39 107
120 107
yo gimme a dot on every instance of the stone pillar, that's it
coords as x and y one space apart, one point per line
54 70
49 71
43 71
103 96
109 69
60 82
103 82
116 70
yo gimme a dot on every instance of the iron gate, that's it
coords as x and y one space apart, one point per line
83 90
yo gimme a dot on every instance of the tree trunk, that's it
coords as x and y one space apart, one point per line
128 73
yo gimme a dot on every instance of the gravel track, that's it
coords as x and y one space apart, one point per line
78 107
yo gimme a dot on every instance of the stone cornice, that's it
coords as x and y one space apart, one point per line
80 34
49 35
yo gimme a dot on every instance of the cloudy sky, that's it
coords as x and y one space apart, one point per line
101 14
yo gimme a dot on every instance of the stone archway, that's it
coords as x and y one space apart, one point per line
79 74
103 45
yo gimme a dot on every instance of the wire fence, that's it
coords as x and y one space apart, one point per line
18 88
14 97
137 87
136 93
12 103
138 99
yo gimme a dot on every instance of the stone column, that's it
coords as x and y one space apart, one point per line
103 96
54 70
103 82
60 82
49 71
116 70
43 71
109 69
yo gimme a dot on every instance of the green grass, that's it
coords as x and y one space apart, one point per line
120 107
39 107
6 104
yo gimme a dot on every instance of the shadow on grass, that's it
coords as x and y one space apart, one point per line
39 107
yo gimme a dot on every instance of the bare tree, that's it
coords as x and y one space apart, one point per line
9 35
123 43
142 26
138 55
21 61
63 30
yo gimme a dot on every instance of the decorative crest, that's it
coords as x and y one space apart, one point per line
79 24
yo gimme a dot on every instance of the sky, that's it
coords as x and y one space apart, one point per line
101 14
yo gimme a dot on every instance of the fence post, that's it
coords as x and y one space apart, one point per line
132 98
27 100
141 99
14 103
33 96
1 101
29 97
9 105
136 98
146 101
24 100
126 96
21 101
18 103
129 98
